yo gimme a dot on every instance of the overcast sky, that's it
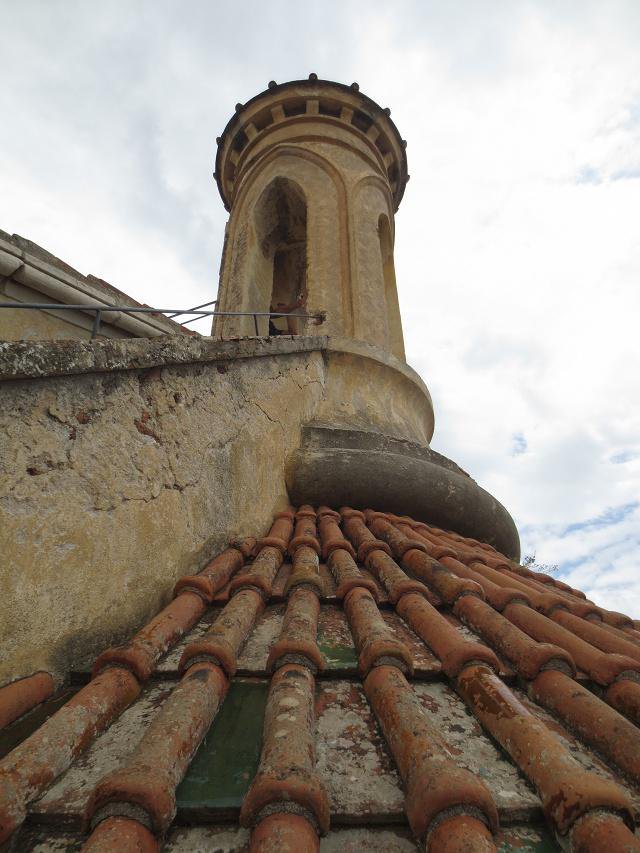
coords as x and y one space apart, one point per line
517 242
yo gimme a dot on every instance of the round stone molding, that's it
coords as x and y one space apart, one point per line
305 103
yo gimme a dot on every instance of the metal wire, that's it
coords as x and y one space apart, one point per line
172 312
204 305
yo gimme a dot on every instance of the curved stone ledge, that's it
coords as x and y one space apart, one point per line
40 359
36 359
342 467
365 387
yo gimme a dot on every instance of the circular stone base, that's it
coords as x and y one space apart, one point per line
362 469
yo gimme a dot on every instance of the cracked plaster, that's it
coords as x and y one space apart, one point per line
113 485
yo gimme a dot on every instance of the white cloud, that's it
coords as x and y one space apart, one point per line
517 250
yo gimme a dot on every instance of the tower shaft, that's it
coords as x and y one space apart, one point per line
312 173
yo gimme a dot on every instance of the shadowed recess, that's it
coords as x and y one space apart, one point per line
227 760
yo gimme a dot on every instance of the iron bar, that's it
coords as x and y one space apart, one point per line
185 322
125 309
96 324
195 308
172 312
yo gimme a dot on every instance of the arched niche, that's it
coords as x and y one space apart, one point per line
394 322
253 230
280 272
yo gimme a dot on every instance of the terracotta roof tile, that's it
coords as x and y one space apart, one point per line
65 801
454 651
283 832
298 637
21 696
567 791
145 785
287 779
378 705
121 833
33 765
595 722
348 575
458 832
330 534
433 783
374 642
528 656
624 696
222 642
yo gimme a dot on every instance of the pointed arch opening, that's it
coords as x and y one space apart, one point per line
394 321
280 282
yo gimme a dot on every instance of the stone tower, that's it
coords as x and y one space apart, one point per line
312 173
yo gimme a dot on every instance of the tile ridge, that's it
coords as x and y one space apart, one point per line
535 661
434 784
23 694
568 792
116 682
148 779
287 804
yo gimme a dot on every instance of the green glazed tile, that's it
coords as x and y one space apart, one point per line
227 759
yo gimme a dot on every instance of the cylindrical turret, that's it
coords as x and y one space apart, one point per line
312 172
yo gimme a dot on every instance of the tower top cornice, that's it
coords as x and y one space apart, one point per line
304 103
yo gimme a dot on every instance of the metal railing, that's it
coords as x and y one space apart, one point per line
171 312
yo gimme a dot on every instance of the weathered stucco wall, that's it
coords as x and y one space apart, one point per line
380 395
126 464
113 485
